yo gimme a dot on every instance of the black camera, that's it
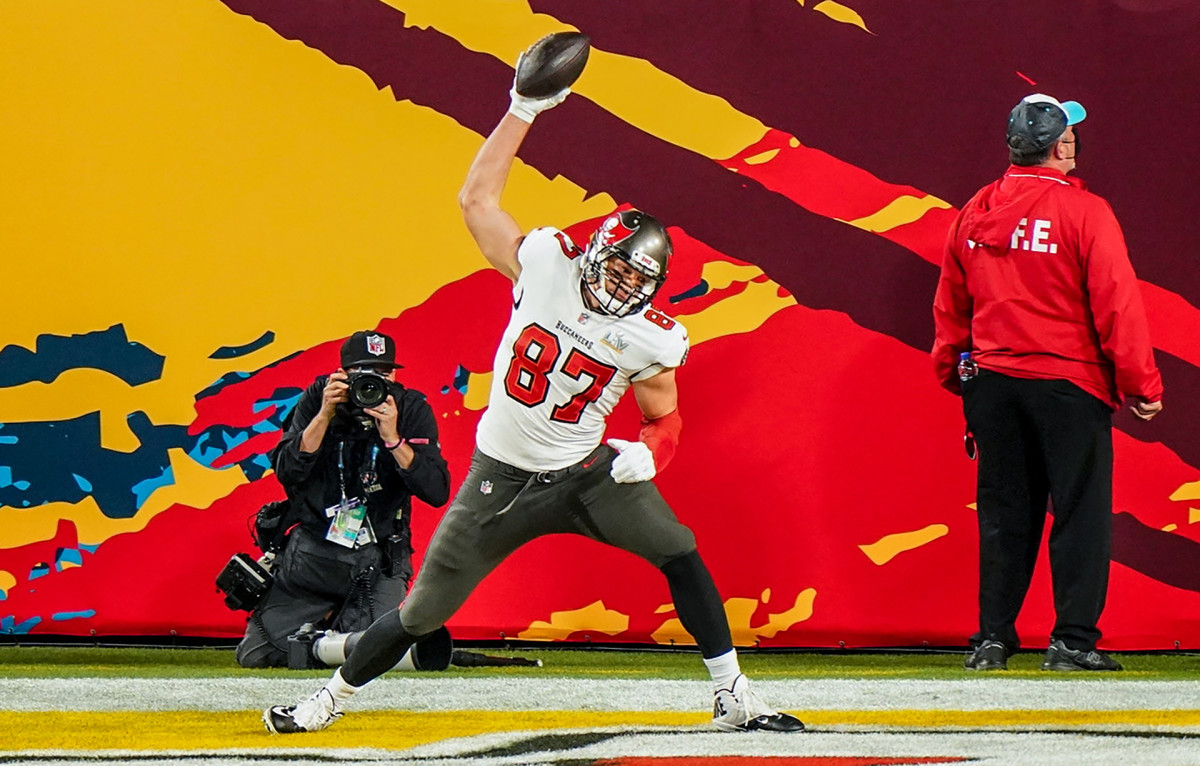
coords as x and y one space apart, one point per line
367 389
244 582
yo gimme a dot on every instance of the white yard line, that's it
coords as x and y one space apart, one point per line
979 748
423 692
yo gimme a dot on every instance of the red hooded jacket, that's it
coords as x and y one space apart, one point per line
1036 283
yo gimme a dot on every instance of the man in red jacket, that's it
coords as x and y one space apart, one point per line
1041 328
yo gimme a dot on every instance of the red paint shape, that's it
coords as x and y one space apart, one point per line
788 760
233 405
1026 78
830 187
256 445
155 582
868 476
1173 322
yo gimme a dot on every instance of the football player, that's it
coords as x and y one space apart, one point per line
582 332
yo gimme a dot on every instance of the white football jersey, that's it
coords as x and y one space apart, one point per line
561 367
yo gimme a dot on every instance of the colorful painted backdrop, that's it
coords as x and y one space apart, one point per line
200 199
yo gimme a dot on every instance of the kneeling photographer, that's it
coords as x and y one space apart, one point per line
357 448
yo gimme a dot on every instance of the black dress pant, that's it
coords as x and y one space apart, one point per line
1040 441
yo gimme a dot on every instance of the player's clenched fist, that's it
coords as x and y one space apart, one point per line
634 463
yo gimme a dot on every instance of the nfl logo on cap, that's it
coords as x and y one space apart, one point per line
376 345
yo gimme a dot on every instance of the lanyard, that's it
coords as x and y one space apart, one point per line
368 477
342 469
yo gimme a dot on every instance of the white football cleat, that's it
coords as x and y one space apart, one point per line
313 714
739 709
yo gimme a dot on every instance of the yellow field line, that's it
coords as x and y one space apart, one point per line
397 730
202 730
1043 719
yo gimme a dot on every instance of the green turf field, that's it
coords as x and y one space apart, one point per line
106 662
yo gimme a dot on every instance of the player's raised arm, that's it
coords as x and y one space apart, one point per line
494 229
544 74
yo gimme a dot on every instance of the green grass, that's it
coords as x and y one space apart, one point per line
109 662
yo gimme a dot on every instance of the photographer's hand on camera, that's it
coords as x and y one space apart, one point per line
334 394
386 416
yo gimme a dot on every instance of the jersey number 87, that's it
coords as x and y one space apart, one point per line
534 356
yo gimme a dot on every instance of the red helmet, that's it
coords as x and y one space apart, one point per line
637 239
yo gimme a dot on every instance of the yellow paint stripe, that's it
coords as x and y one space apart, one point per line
842 13
762 158
192 730
397 730
722 274
503 28
744 312
885 549
595 617
479 387
1189 491
991 719
901 211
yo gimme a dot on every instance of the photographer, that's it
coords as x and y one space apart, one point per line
357 448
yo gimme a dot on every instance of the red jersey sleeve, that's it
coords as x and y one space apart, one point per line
952 308
1116 303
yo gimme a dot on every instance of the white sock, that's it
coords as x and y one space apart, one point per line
724 669
339 689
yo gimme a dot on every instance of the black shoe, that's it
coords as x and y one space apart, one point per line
776 722
300 647
990 655
278 720
1059 657
313 714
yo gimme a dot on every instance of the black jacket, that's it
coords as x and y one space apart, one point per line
312 481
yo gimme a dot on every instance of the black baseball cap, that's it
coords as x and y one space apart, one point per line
1039 120
368 348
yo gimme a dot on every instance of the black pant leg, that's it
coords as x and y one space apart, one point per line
698 604
1011 498
1077 436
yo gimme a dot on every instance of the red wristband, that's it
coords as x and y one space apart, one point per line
390 447
661 435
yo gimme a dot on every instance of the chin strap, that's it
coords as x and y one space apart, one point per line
661 435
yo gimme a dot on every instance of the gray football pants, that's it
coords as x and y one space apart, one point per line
499 508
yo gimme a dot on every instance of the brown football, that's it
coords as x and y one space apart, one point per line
552 63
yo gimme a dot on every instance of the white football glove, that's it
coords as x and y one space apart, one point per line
634 463
526 108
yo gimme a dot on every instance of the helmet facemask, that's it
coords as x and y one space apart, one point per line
617 295
626 262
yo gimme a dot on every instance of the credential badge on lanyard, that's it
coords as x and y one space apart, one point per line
348 514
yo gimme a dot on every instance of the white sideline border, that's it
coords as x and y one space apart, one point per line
1093 745
432 693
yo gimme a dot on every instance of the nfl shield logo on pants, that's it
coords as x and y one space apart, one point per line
486 487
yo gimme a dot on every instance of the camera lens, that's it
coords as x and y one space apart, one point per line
368 389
